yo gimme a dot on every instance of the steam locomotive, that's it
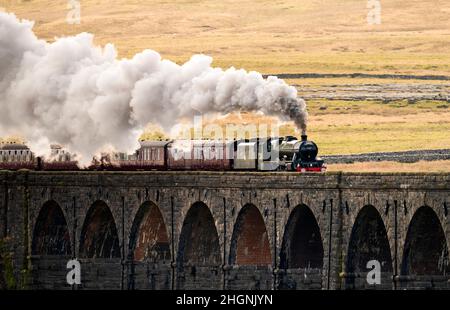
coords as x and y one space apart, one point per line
302 154
259 154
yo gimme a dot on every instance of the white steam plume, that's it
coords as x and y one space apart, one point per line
77 94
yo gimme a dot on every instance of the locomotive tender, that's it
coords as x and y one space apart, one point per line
258 154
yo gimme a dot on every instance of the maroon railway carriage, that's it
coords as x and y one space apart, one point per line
17 165
58 165
212 155
40 165
199 155
151 156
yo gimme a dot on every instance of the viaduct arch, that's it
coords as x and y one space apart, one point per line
302 252
425 254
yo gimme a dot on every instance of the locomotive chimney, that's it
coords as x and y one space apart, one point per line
304 136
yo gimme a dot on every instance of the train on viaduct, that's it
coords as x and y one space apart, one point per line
224 230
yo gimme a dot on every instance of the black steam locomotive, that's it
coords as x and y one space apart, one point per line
301 155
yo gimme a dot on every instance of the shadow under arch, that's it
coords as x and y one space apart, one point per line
51 233
149 250
250 255
250 242
302 253
368 241
51 247
425 254
302 242
99 237
198 257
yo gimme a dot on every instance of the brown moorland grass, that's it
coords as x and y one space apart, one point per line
361 127
389 166
264 35
289 36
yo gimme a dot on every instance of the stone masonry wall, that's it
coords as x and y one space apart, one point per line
335 200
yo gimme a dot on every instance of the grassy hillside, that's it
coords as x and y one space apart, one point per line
361 127
290 36
386 166
267 35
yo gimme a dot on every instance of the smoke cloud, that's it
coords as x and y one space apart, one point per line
82 96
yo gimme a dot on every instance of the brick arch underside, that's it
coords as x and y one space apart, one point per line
51 234
100 250
99 237
250 242
149 250
198 259
425 255
302 254
250 256
368 241
51 248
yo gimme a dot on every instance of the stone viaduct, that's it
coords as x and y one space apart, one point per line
223 230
